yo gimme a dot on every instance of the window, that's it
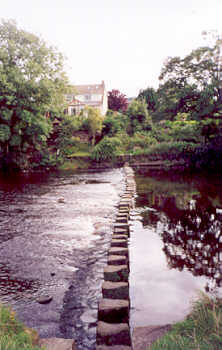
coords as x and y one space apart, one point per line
87 97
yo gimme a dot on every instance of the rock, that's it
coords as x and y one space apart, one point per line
113 310
121 231
119 243
113 334
115 290
117 260
44 299
57 344
118 251
119 236
116 273
143 337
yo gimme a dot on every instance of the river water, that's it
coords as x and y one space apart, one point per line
175 245
55 231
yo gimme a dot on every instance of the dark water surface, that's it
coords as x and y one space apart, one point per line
55 231
175 246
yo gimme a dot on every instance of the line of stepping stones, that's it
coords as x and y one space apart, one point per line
113 332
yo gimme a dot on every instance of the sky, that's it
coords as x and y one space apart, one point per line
122 42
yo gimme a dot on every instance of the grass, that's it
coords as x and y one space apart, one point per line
13 334
201 330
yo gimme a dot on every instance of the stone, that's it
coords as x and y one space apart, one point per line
122 216
116 273
121 220
44 299
118 251
119 236
57 344
143 337
117 260
122 227
119 243
113 347
121 231
113 310
115 290
113 334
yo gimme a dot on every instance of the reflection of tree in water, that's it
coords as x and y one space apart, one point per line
192 234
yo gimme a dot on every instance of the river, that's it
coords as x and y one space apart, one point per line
55 230
175 246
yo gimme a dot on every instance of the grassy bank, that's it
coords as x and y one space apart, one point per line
13 334
201 330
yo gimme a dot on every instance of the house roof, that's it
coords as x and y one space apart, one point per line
90 89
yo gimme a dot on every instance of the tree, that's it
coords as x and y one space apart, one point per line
32 86
195 80
95 122
117 101
151 98
139 116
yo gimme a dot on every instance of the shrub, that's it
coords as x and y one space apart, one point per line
169 150
13 334
106 149
201 330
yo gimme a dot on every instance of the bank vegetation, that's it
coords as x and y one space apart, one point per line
179 121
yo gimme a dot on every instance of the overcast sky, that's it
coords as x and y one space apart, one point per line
122 42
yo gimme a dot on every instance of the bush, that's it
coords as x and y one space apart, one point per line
13 334
169 151
106 149
200 331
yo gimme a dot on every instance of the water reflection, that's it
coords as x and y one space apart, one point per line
187 214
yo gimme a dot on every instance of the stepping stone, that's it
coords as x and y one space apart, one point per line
122 226
115 290
113 334
116 273
57 344
117 260
122 220
119 243
119 236
113 310
118 251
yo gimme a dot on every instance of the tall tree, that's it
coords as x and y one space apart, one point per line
117 101
195 80
139 116
95 122
32 86
151 98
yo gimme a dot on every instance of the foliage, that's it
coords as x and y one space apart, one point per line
193 84
95 122
117 101
201 330
114 123
32 86
106 149
138 116
13 334
61 139
151 98
169 151
139 141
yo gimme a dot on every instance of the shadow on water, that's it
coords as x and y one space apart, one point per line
185 212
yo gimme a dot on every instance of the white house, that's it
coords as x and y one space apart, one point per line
88 95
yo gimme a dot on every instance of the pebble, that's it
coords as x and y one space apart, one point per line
44 299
